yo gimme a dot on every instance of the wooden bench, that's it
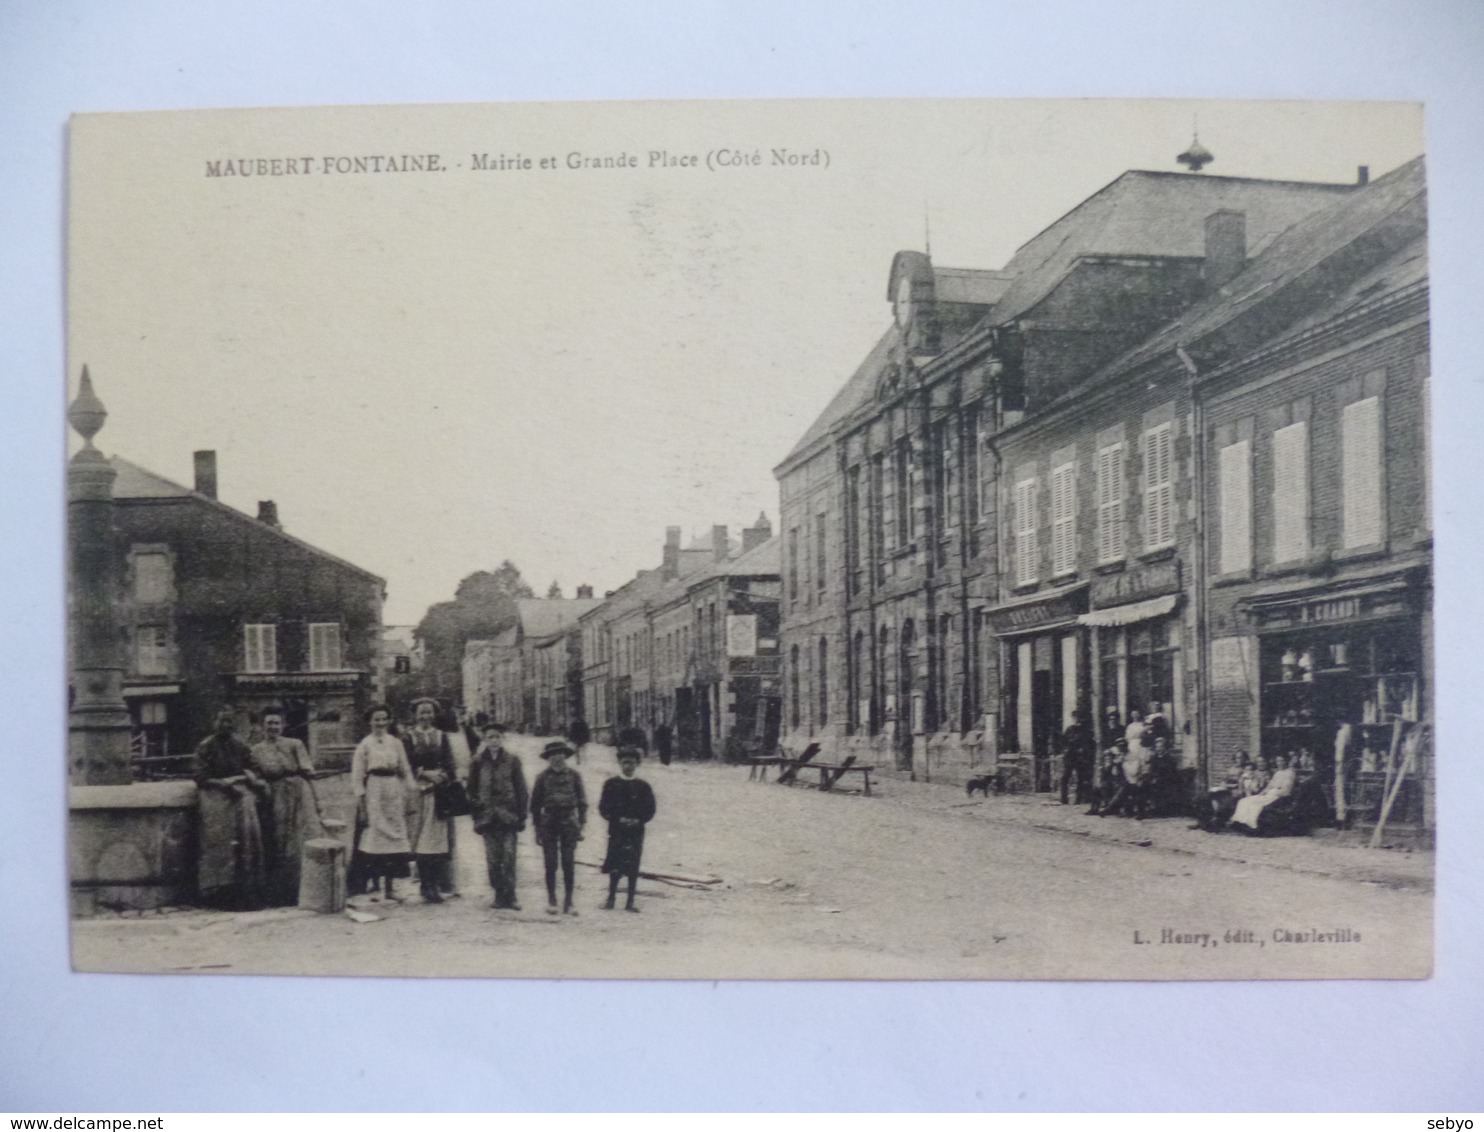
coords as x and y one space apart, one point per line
789 767
831 773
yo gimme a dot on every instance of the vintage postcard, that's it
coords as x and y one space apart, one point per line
790 540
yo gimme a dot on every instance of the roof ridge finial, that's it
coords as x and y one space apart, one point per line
927 231
1197 156
86 414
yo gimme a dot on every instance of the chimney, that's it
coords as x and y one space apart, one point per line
584 592
268 513
757 534
719 542
1363 175
206 473
1226 247
671 563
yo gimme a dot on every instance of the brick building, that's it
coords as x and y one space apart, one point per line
944 568
225 610
1317 501
692 645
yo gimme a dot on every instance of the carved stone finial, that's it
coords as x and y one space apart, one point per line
86 414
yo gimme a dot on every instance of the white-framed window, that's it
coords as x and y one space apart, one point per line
1025 532
1063 519
1235 472
324 647
1159 486
1110 502
1291 492
152 650
153 578
261 641
1362 523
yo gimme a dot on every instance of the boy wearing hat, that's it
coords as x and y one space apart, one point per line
626 804
559 810
497 790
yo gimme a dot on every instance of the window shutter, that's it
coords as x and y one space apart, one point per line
1360 463
1025 531
1110 503
1063 519
1159 491
1291 492
1236 507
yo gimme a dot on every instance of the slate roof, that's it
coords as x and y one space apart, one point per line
548 616
853 394
1145 213
765 558
1294 254
1141 213
978 286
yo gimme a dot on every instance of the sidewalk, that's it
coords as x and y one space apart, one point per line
1325 853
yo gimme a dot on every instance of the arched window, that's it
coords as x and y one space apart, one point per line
793 685
880 665
857 676
824 681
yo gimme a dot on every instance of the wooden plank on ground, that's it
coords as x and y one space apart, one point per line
791 771
828 778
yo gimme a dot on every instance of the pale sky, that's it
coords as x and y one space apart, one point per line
433 372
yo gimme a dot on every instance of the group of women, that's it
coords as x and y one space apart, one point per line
404 789
257 808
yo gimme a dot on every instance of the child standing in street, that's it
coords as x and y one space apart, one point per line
627 804
559 811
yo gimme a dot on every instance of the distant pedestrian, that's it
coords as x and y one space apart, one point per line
664 742
497 790
430 756
627 805
559 811
1078 750
231 869
290 811
384 787
580 734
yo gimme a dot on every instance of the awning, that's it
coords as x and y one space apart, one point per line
1128 614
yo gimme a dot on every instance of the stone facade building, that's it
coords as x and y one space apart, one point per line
526 676
997 522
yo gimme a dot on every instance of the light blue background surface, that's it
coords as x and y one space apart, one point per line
79 1043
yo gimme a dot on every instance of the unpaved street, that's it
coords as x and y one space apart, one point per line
912 883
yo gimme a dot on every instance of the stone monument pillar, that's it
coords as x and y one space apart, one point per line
98 725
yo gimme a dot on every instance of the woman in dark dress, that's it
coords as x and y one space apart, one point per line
431 758
626 804
232 868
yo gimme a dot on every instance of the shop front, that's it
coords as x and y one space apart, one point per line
1044 658
1340 668
1137 637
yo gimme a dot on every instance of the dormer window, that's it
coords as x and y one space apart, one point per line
902 303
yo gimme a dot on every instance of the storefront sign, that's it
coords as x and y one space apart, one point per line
1154 580
1389 597
1029 615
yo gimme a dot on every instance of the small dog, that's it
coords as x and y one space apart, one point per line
984 784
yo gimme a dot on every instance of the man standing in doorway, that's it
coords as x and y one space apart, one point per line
1077 759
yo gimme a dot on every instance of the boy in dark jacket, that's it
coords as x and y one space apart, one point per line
559 809
627 804
497 791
